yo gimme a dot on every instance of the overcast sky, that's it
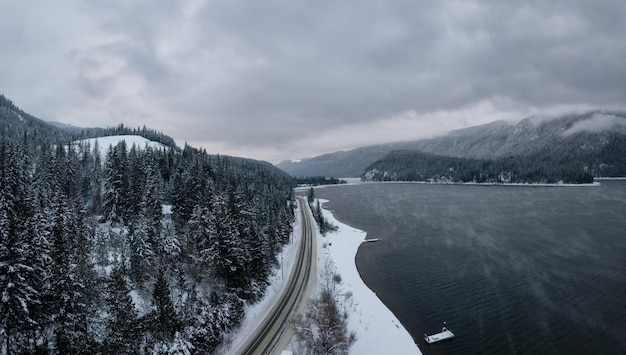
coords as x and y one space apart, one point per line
285 79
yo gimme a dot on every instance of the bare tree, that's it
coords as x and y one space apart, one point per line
323 328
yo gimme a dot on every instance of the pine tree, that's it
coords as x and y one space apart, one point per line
61 280
165 319
115 184
205 332
142 254
151 205
170 245
123 336
135 185
81 278
199 247
95 181
20 292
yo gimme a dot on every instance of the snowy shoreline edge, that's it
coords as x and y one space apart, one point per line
377 329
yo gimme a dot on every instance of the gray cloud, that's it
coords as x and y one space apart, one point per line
277 80
599 122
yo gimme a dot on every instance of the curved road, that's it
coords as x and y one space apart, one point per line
271 329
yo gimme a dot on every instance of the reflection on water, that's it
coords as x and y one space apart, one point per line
512 269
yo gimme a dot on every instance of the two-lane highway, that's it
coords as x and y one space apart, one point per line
264 340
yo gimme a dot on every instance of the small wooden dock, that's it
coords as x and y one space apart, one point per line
443 335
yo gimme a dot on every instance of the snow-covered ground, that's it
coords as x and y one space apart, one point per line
377 330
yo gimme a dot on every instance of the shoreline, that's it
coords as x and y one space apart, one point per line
377 329
357 181
623 178
593 184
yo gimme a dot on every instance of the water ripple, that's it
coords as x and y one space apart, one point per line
511 269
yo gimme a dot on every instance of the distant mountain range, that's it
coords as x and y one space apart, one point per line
592 142
597 139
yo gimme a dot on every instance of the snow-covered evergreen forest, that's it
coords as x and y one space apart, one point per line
413 165
94 260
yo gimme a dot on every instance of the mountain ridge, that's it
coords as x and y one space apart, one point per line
532 135
15 124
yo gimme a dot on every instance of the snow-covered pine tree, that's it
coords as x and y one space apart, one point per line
71 282
60 283
165 322
20 273
95 181
204 329
123 328
135 184
142 253
86 290
151 206
115 184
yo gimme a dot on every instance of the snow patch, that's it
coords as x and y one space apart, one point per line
104 143
166 209
142 305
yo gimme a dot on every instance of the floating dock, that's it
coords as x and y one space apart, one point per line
443 335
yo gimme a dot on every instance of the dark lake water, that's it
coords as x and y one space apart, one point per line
511 269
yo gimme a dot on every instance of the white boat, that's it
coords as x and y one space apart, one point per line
443 335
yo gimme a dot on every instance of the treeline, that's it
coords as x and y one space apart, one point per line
318 180
151 134
93 260
324 225
413 165
80 133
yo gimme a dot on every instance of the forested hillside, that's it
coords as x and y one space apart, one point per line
576 153
17 124
94 260
412 165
